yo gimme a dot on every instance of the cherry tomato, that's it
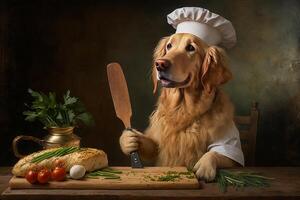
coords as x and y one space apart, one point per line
31 176
58 174
44 176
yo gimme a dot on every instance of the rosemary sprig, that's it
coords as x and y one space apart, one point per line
225 178
106 173
55 153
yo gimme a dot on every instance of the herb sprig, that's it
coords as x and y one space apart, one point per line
171 176
106 173
225 178
55 153
51 113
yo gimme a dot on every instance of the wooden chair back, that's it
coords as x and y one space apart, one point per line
247 126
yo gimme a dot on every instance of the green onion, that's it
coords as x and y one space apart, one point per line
62 151
171 176
114 171
117 177
106 173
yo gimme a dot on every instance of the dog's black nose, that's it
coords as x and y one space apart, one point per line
162 64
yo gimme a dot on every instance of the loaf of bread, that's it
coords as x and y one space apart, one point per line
90 158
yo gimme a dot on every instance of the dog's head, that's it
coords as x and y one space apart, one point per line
183 60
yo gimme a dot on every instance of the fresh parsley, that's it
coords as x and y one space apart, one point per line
52 113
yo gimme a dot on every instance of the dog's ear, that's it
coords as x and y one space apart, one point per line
214 71
159 51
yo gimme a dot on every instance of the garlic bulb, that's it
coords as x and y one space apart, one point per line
77 171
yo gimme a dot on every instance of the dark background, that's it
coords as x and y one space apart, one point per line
59 45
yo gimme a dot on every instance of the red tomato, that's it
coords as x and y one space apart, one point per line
31 176
44 176
58 174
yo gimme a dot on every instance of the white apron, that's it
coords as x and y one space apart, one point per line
229 146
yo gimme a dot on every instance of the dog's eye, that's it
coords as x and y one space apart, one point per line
169 46
190 48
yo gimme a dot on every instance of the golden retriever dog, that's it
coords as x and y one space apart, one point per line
192 112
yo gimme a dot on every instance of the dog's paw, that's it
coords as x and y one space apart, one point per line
205 168
129 141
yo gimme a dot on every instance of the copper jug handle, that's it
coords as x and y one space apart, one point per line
23 137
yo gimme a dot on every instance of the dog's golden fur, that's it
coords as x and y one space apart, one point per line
188 119
183 132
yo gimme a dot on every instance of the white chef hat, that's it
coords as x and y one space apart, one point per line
210 27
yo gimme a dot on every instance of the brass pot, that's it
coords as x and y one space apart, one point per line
57 137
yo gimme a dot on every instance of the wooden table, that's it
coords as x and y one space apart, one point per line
285 186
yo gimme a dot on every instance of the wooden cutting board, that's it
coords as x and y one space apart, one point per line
145 178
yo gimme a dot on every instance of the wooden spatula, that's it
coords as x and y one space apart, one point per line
121 100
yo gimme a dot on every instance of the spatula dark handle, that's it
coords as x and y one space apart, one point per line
135 158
